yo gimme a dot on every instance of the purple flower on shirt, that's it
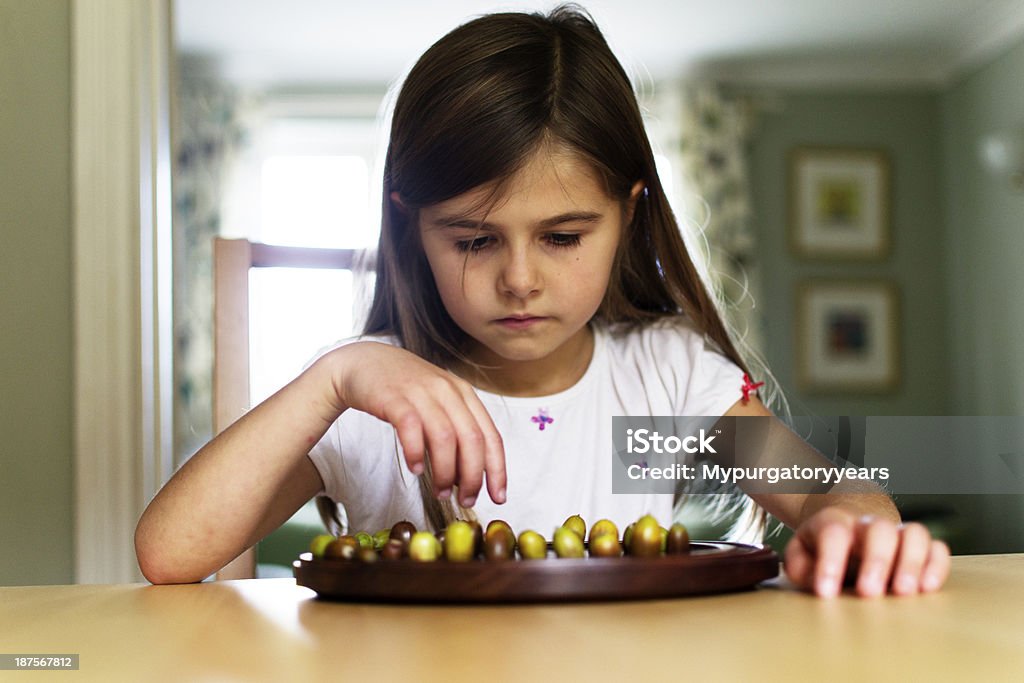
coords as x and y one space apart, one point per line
541 419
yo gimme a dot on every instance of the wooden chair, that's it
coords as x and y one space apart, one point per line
232 260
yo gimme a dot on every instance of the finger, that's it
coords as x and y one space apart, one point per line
494 449
470 443
469 451
831 551
878 541
441 441
937 570
406 420
915 545
799 564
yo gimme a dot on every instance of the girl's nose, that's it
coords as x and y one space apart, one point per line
520 276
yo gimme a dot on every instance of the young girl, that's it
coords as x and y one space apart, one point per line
531 283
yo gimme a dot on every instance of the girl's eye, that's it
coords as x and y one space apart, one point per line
475 244
559 239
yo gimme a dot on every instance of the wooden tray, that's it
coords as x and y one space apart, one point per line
710 567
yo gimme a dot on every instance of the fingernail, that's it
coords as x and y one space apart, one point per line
445 494
872 583
828 580
828 588
468 502
905 583
501 496
876 584
417 468
930 582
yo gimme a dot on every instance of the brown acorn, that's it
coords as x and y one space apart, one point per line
678 541
501 526
394 549
341 549
403 531
498 548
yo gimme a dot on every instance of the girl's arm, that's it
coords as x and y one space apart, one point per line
248 479
854 523
256 474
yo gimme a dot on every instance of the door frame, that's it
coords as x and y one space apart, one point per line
121 246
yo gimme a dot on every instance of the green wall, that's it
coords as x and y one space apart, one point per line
984 239
957 236
36 529
906 126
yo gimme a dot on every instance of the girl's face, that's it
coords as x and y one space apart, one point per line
523 275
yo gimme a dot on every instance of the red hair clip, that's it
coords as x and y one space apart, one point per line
749 387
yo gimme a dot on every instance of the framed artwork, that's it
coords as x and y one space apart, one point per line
847 336
839 203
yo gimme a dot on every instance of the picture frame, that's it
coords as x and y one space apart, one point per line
847 336
839 203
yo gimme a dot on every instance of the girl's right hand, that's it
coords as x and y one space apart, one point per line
433 411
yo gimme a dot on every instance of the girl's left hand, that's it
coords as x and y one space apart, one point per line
901 558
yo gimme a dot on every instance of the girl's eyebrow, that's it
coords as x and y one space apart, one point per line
463 221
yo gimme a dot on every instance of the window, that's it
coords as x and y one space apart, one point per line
307 180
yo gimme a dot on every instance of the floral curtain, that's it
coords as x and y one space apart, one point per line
208 135
713 146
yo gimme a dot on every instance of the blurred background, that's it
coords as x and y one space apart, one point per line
853 175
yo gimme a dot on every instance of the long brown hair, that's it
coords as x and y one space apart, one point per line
470 112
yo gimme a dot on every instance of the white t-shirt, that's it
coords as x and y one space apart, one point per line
558 448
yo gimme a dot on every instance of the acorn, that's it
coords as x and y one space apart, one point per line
403 531
351 540
627 538
424 547
497 526
380 538
343 548
532 545
605 545
319 543
603 526
365 539
394 549
678 541
367 555
458 542
576 524
478 537
646 538
499 546
568 543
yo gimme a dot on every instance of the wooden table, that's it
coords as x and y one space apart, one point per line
273 630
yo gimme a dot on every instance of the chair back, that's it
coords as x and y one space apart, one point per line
232 261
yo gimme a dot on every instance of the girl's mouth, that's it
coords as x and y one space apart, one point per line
520 322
